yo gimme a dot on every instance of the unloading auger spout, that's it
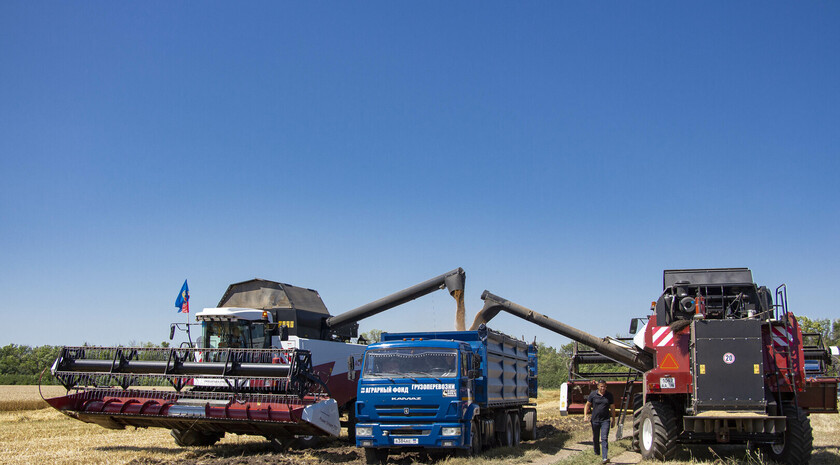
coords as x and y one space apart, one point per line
630 357
453 281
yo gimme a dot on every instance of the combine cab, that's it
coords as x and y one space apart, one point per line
270 361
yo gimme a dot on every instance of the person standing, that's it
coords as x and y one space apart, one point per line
600 408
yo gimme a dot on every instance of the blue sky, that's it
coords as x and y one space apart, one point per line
562 153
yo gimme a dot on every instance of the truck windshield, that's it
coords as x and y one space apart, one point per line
409 363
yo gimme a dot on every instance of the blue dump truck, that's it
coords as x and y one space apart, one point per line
455 391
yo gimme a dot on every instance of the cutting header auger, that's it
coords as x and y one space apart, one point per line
719 360
271 361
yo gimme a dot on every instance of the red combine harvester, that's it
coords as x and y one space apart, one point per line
271 361
717 362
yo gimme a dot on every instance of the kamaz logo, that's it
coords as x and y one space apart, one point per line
405 411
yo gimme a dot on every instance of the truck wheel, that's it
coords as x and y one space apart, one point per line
475 442
657 431
517 429
798 439
192 438
505 437
637 420
374 456
529 419
351 421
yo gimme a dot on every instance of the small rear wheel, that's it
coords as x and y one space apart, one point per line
375 456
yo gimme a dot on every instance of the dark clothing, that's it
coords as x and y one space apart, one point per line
601 428
600 405
601 417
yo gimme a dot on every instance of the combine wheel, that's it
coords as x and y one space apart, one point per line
281 444
307 442
374 456
798 439
529 420
657 431
192 438
637 420
517 429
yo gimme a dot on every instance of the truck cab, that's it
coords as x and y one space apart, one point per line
415 393
432 392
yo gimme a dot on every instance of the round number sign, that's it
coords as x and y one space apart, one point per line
729 358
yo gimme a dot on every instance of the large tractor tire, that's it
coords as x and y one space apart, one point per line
657 431
638 403
529 423
798 442
192 438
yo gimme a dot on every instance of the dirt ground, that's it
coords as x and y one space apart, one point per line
44 435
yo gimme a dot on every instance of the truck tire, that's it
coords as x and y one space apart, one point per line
638 403
193 438
375 456
798 439
529 422
475 442
351 421
505 438
657 431
517 429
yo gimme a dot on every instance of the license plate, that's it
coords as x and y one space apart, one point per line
405 440
667 383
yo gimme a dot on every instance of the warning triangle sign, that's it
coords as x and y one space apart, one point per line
669 363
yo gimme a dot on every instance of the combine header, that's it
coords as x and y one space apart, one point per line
717 362
271 361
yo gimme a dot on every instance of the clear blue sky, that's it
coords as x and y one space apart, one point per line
562 153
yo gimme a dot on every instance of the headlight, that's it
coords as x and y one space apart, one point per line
364 431
449 431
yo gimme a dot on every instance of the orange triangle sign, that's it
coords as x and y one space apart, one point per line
669 363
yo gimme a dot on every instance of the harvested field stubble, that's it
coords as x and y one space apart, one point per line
46 436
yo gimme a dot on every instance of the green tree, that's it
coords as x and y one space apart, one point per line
374 335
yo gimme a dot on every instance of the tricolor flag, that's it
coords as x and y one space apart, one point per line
183 300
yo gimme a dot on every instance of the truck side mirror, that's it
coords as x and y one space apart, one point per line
351 368
284 333
634 325
171 331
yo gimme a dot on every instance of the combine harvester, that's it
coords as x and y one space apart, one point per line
271 361
717 362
